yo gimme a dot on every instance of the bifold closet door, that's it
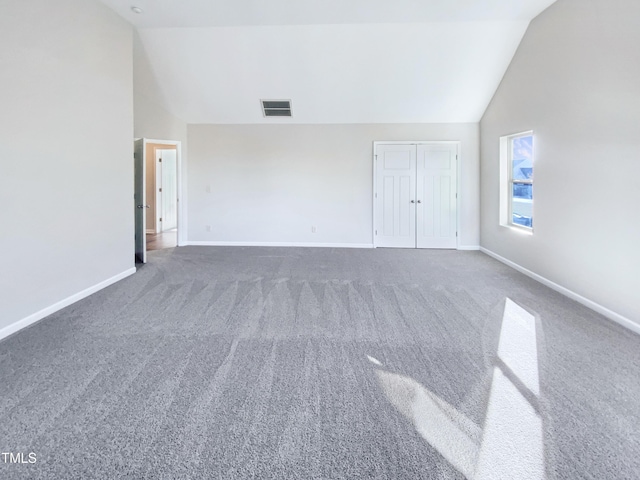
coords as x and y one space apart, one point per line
436 225
395 196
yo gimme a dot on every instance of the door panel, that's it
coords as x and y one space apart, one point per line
139 203
395 189
436 194
427 227
169 190
157 190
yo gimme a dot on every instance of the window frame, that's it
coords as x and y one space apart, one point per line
507 181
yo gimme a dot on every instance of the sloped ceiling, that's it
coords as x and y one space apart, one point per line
357 61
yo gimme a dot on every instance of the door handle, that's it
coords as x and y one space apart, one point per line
419 201
413 201
143 206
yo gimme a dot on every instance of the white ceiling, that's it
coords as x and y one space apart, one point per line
339 61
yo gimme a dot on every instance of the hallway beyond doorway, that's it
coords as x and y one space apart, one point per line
159 241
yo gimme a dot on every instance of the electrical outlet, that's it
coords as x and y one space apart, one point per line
207 228
313 229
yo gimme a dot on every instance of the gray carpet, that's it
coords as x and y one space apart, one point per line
221 362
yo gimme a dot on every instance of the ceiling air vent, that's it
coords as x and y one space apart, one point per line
276 108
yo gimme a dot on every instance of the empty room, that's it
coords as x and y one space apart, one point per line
320 239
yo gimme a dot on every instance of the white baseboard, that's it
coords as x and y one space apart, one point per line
610 314
277 244
33 318
296 244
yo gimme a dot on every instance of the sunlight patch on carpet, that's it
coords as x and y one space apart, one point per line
510 445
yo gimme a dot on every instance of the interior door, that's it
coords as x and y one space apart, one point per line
157 208
140 206
436 200
169 190
395 196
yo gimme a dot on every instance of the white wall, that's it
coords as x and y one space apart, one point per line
66 182
151 118
272 183
575 81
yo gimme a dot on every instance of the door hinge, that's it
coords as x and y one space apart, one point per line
161 190
160 160
456 234
161 220
376 232
376 194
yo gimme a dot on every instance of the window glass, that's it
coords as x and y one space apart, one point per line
521 165
522 191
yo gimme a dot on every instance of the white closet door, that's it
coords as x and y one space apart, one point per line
436 196
395 196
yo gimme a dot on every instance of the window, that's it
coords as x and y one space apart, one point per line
516 159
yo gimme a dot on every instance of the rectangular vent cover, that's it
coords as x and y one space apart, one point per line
276 108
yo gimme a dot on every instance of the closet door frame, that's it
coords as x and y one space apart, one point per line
375 181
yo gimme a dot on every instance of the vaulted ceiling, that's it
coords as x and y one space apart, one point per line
355 61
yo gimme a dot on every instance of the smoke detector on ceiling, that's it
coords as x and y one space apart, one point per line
276 108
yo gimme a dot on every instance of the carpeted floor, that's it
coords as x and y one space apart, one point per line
271 363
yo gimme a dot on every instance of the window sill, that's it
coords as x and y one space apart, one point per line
518 228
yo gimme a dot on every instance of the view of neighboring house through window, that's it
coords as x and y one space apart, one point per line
516 160
521 150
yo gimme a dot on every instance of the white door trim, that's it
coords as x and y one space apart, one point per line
415 142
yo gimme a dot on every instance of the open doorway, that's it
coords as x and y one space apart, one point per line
162 196
157 195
